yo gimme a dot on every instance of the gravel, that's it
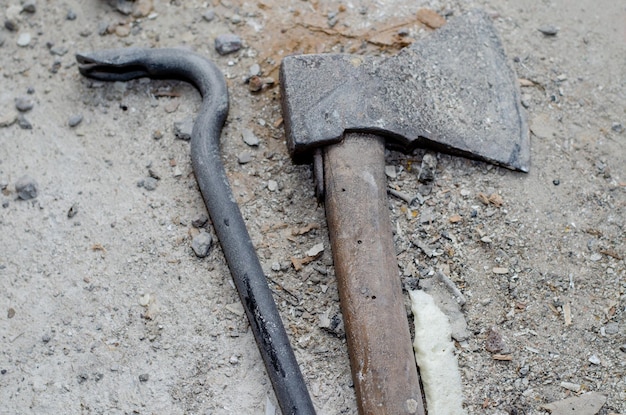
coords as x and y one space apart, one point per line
201 244
26 188
227 43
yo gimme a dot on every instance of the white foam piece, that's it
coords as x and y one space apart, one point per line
434 353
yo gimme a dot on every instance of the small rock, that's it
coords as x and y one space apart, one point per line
594 360
233 360
390 171
23 122
73 210
272 185
255 70
495 342
209 15
249 137
71 15
333 325
235 19
316 250
46 338
144 377
427 169
244 157
549 30
23 39
585 404
611 328
157 134
183 129
623 347
200 221
500 270
142 8
201 244
595 257
7 118
24 104
255 83
617 127
227 43
26 188
149 183
276 266
29 6
74 120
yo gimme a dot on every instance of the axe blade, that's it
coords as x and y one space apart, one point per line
453 91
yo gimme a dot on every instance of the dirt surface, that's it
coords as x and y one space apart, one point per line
105 308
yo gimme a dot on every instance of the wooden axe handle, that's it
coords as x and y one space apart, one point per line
379 342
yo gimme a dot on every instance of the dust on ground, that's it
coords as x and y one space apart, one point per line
106 308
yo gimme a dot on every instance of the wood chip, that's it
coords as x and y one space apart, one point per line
483 198
298 263
502 357
567 314
305 229
430 18
455 219
496 200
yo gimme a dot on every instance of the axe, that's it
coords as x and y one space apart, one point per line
453 91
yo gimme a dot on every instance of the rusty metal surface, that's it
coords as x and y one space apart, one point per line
453 91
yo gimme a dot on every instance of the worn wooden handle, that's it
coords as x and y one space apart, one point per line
379 342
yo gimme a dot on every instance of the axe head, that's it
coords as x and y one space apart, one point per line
454 91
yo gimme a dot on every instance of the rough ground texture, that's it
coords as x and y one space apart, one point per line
105 307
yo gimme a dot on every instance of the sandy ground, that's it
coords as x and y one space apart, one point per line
110 311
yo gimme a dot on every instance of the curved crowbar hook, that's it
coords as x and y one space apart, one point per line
256 296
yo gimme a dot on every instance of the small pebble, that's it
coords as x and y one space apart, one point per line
235 19
427 169
612 328
255 70
244 157
549 30
29 6
227 43
233 360
390 171
200 221
201 244
183 129
157 134
249 138
144 377
26 188
594 360
149 183
595 257
209 15
74 120
73 210
617 127
556 182
11 25
23 39
24 104
23 122
255 83
272 185
71 15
